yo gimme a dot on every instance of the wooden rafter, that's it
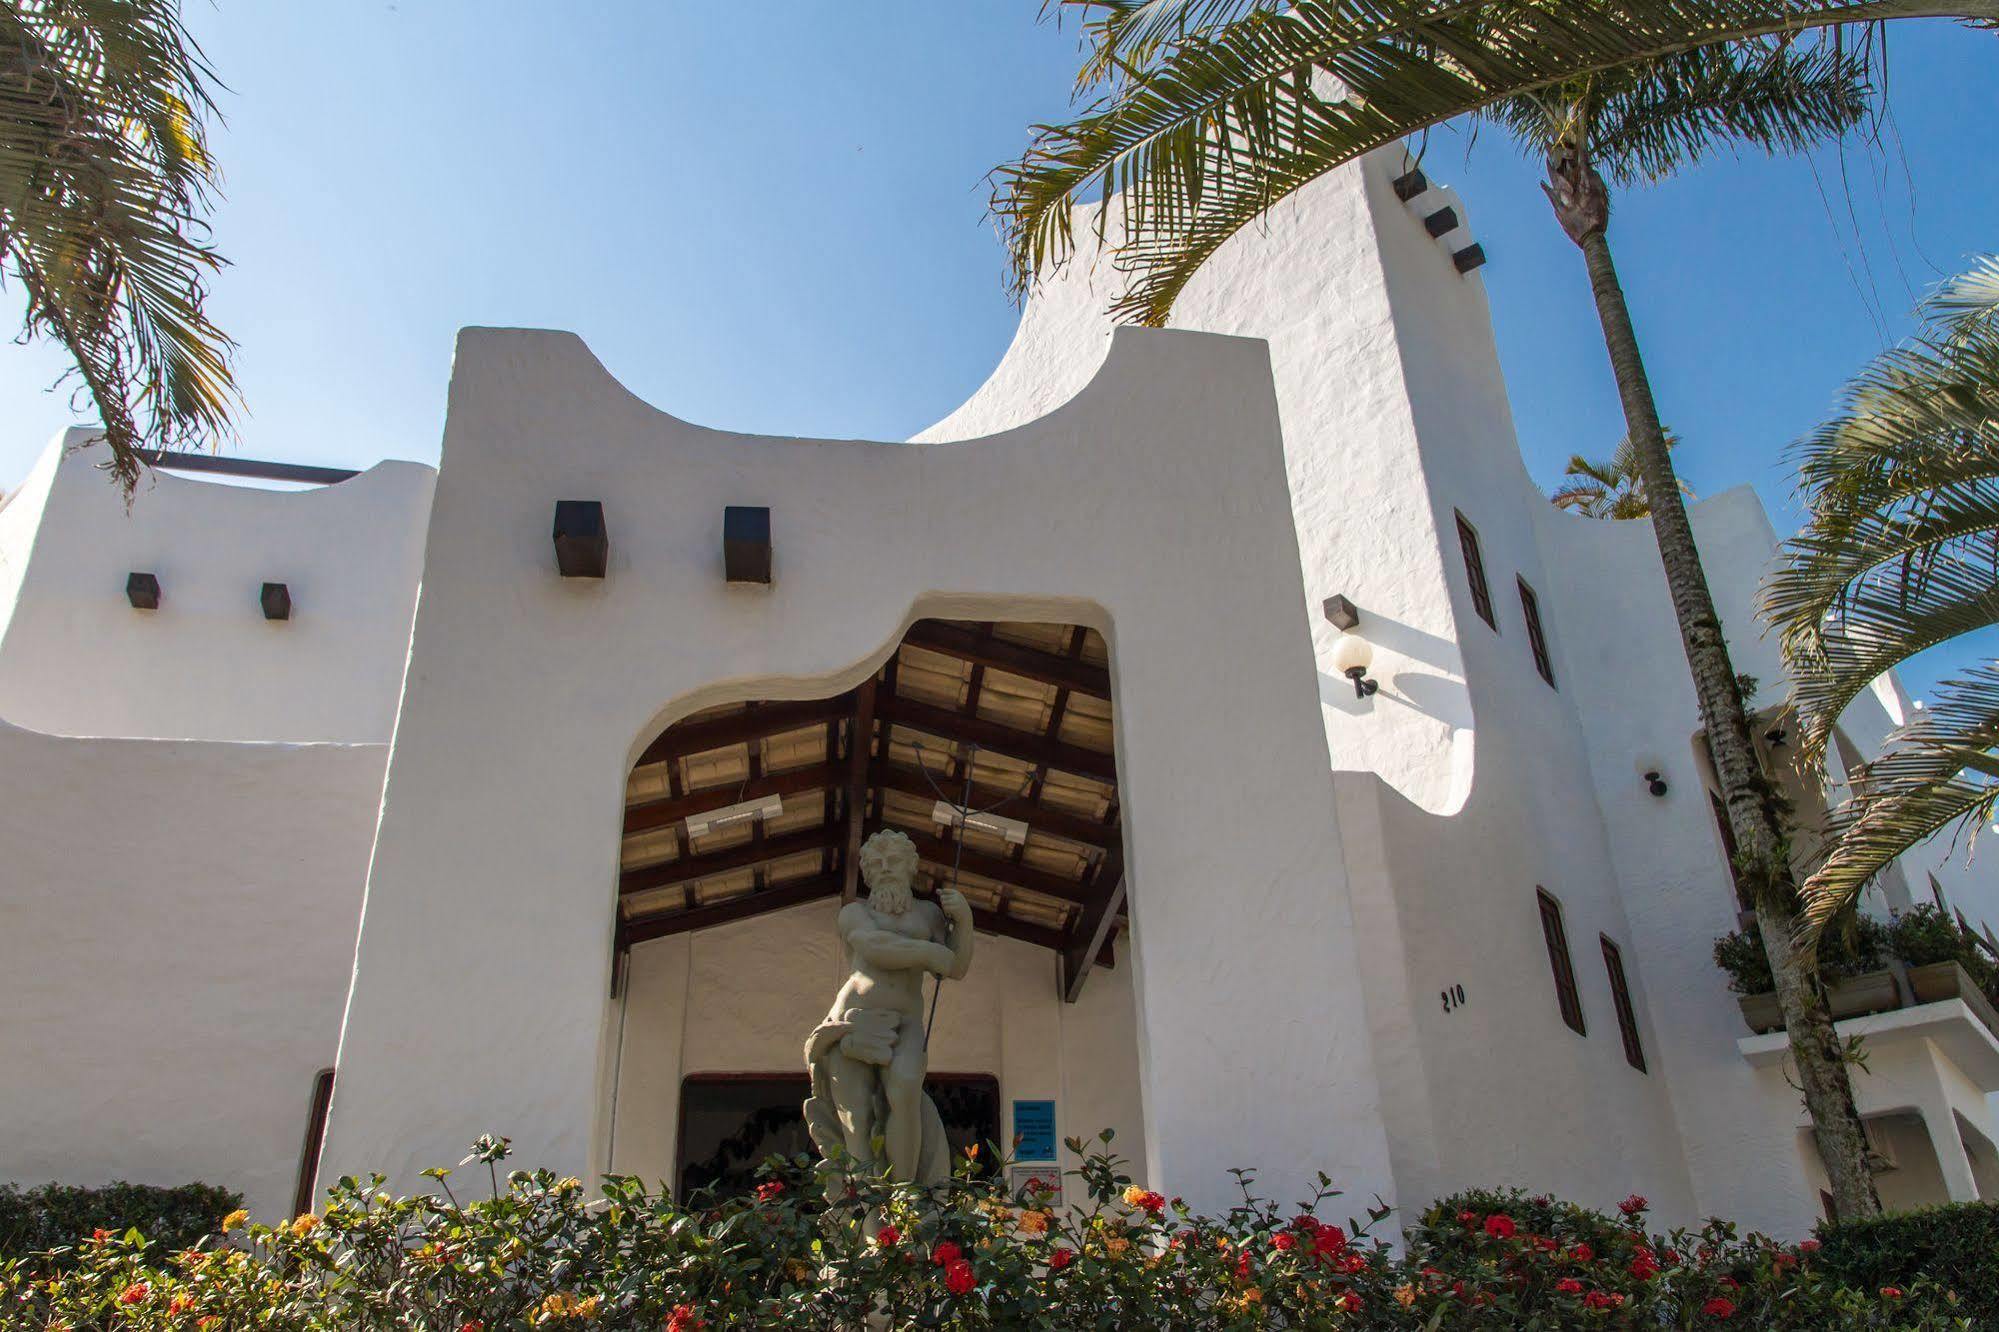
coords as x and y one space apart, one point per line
756 723
968 643
791 781
1024 746
1036 812
1090 933
941 852
796 893
749 854
860 747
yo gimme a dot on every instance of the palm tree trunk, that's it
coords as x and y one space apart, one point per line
1753 808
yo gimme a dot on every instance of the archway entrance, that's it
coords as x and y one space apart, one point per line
990 746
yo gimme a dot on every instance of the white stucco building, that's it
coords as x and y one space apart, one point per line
473 835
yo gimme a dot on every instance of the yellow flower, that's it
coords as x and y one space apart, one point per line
1116 1246
1405 1295
568 1184
234 1219
305 1224
1033 1222
1132 1195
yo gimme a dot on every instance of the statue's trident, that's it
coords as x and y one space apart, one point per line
962 811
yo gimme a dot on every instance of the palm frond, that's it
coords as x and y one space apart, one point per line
104 186
1937 772
1225 122
1612 488
1901 550
1125 33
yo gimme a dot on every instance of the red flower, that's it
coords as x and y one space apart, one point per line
1060 1258
474 1325
1304 1221
180 1304
1283 1242
958 1277
1809 1246
1781 1260
1891 1292
1243 1265
1542 1243
99 1235
1468 1219
1152 1203
1643 1268
1499 1226
1719 1308
1730 1283
1598 1299
766 1192
1633 1205
888 1237
1350 1302
1583 1253
137 1292
946 1253
1350 1263
1569 1286
683 1320
1328 1240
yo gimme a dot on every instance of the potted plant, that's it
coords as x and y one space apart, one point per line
1851 965
1944 962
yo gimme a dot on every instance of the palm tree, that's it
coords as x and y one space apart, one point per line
1897 556
104 182
1609 487
1195 131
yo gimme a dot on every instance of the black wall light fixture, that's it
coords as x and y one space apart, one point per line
1352 654
582 546
746 543
142 590
276 599
1655 782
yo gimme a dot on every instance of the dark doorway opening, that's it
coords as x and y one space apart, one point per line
730 1122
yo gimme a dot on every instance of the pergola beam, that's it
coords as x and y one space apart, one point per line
792 781
759 723
1000 738
968 644
1092 928
1040 816
796 893
719 862
860 750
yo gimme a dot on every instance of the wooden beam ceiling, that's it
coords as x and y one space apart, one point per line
969 644
1024 746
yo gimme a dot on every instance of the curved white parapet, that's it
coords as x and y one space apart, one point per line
1151 504
76 658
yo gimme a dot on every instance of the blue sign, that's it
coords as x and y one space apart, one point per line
1034 1130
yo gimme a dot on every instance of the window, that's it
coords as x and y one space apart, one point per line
1530 606
730 1122
1566 994
1620 999
1481 595
315 1137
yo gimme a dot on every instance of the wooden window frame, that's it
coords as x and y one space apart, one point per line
303 1194
1481 591
1568 996
1537 638
1620 999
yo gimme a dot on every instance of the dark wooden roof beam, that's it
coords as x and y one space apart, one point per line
758 723
718 862
1036 813
640 929
1025 746
792 781
967 643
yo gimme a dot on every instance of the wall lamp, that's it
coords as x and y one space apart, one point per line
1352 654
1655 782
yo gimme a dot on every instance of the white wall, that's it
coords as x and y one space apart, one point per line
176 933
77 659
1152 507
720 1001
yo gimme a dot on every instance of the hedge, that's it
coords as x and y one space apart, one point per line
1954 1245
42 1219
809 1250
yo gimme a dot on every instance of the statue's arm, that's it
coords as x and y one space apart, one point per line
887 950
954 931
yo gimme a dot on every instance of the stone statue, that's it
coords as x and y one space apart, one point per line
867 1058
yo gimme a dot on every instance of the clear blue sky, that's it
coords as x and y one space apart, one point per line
771 217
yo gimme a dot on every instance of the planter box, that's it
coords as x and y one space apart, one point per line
1856 996
1761 1012
1937 981
1873 992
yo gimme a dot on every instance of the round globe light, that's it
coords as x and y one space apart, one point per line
1352 655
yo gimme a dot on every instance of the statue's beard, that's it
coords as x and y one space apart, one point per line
891 899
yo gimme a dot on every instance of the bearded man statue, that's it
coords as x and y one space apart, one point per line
867 1058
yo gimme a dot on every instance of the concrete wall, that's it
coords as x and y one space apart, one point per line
714 1002
77 659
176 934
496 857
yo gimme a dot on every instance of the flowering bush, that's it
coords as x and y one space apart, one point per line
40 1219
539 1253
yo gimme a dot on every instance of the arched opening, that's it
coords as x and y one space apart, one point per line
990 746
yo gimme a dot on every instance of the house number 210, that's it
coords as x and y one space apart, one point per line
1453 998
